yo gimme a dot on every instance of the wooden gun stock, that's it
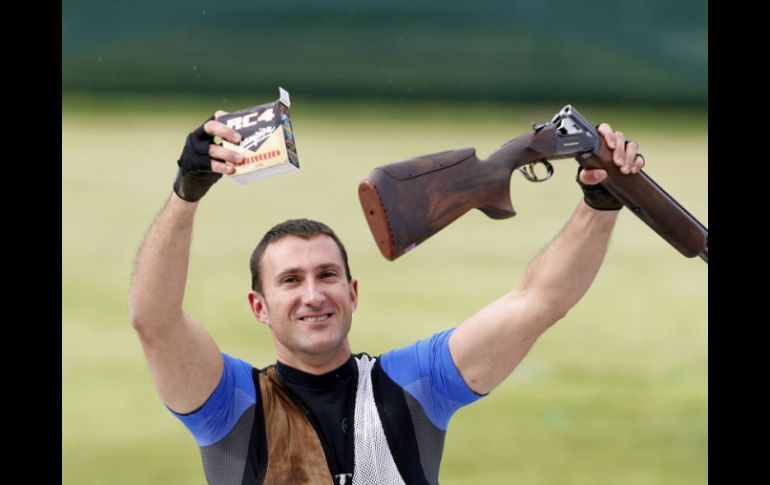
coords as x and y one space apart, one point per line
407 202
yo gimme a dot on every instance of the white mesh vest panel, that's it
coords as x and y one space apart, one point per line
374 463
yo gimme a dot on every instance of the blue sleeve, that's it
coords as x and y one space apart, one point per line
234 394
427 372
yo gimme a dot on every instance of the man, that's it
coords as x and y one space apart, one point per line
322 415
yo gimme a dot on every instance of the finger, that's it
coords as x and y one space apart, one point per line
638 163
222 159
615 141
222 167
619 153
606 131
216 128
219 113
593 177
632 148
223 154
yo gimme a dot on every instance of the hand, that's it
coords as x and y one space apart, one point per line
626 156
202 163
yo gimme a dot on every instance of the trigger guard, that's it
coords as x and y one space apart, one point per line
529 172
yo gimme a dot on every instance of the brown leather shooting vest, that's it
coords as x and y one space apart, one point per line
295 454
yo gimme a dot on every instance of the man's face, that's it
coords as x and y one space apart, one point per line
307 301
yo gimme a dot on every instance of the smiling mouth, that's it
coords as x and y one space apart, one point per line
316 318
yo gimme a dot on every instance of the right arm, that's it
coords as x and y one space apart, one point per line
184 360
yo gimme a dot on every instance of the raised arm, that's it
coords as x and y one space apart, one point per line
184 360
490 344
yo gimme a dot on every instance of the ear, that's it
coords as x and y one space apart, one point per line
354 294
258 306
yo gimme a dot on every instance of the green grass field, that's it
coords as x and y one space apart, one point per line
615 393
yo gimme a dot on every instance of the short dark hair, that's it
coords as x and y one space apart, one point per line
304 228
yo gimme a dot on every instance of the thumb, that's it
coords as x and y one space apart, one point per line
592 177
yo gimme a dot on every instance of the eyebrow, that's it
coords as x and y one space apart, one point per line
326 266
320 267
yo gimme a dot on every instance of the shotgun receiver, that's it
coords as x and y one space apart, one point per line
407 202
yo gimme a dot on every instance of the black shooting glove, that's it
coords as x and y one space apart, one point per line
195 176
597 196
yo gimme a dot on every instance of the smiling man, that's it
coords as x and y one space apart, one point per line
321 414
308 296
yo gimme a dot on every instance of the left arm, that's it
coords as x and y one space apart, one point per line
490 344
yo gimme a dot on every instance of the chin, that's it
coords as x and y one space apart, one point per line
322 344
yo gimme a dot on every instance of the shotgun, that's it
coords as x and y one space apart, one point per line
407 202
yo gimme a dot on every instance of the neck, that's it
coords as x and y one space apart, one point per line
296 377
316 364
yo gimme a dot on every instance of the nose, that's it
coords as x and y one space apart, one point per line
312 296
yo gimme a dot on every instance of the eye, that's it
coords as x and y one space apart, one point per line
328 274
287 280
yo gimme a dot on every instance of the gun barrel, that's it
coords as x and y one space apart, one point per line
653 205
704 255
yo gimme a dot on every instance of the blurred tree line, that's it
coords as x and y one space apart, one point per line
650 51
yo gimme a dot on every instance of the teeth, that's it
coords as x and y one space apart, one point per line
320 318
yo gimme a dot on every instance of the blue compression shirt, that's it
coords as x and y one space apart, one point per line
425 370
